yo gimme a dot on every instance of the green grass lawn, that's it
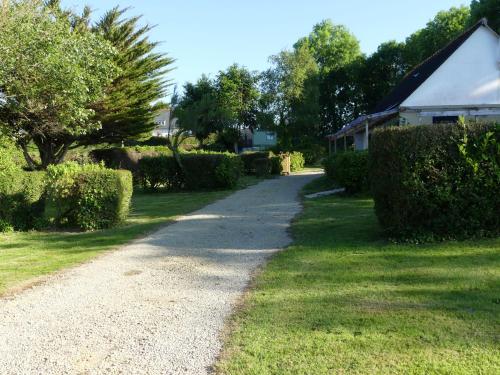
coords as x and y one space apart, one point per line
25 256
341 300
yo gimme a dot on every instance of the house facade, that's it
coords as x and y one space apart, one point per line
460 80
163 126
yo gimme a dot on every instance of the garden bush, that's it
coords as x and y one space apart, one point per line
21 199
249 158
262 167
349 169
87 197
201 170
437 182
296 161
159 171
127 157
204 170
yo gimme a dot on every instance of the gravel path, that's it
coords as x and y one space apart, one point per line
156 306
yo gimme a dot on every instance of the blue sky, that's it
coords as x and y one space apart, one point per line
205 36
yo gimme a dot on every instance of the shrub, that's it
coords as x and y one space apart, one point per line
159 172
262 167
21 199
349 169
314 154
201 170
438 181
127 157
296 161
249 158
87 197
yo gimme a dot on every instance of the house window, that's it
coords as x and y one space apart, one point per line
270 136
445 119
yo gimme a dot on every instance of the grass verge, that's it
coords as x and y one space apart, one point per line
341 300
26 256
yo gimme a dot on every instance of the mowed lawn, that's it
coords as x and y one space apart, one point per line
342 300
24 257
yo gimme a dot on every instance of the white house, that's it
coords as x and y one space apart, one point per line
163 126
462 79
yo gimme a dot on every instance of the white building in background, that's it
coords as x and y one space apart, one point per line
462 79
163 126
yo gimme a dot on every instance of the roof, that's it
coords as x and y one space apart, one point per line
389 106
413 80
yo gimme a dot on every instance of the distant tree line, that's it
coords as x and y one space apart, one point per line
322 83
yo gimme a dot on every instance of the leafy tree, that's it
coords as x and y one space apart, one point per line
381 72
438 32
200 110
49 77
333 46
490 9
237 95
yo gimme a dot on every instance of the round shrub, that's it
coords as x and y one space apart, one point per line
87 197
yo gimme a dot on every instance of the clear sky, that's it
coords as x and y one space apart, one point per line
205 36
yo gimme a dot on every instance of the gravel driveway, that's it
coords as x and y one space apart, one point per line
156 306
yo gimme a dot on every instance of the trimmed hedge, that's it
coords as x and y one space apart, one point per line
127 157
437 182
201 170
87 197
249 158
21 199
262 167
349 169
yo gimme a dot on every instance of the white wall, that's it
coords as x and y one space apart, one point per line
471 76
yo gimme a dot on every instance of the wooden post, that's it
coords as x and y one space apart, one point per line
335 145
345 142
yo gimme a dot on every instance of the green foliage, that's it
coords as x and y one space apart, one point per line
297 161
437 181
11 158
248 159
161 171
489 9
50 75
199 171
21 199
87 197
133 98
349 170
262 167
438 32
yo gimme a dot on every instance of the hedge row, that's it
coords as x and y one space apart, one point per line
21 199
199 171
254 164
437 181
85 197
349 169
127 157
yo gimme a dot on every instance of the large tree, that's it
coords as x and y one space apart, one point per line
133 98
438 32
489 9
237 95
49 77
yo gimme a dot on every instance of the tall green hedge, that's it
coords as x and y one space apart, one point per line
21 199
87 197
439 181
200 170
349 169
249 158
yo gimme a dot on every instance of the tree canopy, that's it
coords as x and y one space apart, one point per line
49 77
